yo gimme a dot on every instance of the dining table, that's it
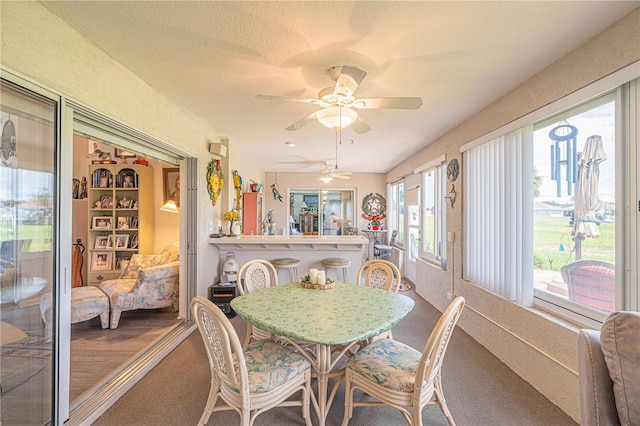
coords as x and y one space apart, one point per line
323 325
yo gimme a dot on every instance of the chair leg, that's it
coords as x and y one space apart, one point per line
247 338
441 401
306 395
115 317
104 319
211 403
348 399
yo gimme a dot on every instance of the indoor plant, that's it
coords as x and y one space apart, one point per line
231 216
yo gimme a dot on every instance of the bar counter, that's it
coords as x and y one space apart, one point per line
309 249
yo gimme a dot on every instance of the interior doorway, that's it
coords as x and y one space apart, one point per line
133 196
321 211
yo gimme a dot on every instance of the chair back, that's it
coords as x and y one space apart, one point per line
256 275
380 274
221 342
350 230
591 283
436 347
394 235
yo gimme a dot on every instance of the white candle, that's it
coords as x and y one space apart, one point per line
313 276
322 278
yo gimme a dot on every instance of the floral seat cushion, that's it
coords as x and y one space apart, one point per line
270 365
389 363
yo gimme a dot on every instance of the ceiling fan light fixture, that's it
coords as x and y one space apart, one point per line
337 118
326 179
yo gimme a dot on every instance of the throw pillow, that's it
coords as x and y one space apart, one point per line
620 339
139 261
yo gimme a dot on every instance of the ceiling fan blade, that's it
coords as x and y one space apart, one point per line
349 80
302 122
286 99
360 126
341 175
389 103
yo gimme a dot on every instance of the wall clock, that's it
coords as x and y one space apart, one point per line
452 170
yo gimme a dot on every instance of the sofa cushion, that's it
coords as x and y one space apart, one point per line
139 261
620 339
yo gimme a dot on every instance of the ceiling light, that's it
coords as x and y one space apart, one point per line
289 143
337 118
170 206
326 179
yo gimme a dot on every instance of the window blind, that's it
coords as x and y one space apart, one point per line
498 200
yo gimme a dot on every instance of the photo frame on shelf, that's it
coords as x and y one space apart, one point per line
101 242
101 260
110 241
102 222
171 181
121 153
122 241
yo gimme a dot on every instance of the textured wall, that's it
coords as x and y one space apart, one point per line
38 45
551 343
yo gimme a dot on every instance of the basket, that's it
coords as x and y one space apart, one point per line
306 284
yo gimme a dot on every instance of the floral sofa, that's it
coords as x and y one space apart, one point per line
148 281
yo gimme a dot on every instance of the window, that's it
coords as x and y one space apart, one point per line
544 213
574 223
433 217
395 209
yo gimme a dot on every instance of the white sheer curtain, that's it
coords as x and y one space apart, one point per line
498 215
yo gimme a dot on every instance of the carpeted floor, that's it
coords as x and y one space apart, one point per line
480 390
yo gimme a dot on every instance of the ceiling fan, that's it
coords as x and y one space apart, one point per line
329 173
338 102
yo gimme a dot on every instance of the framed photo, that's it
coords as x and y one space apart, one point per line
172 185
102 222
121 153
122 241
101 260
101 242
110 241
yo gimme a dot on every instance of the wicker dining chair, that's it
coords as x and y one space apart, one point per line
382 274
399 376
256 275
249 380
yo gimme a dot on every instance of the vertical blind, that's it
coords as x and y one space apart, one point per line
498 215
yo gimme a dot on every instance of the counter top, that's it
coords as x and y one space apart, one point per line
299 242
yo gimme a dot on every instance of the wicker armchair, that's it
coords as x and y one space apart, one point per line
249 380
401 377
256 275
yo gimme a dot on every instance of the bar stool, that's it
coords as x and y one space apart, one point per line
287 263
338 263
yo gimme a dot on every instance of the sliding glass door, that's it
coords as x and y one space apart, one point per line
28 255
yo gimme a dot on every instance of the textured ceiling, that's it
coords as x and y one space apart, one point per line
212 58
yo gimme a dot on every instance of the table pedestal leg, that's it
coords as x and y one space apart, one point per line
323 368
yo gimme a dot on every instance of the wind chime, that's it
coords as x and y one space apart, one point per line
563 153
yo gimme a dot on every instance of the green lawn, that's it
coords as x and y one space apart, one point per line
550 232
40 236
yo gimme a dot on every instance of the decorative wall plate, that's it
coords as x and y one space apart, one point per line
452 170
374 204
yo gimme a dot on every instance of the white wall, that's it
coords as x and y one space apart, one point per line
553 342
38 45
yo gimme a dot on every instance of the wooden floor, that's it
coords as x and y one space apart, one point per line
95 354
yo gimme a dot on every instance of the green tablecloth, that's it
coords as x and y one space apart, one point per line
337 316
